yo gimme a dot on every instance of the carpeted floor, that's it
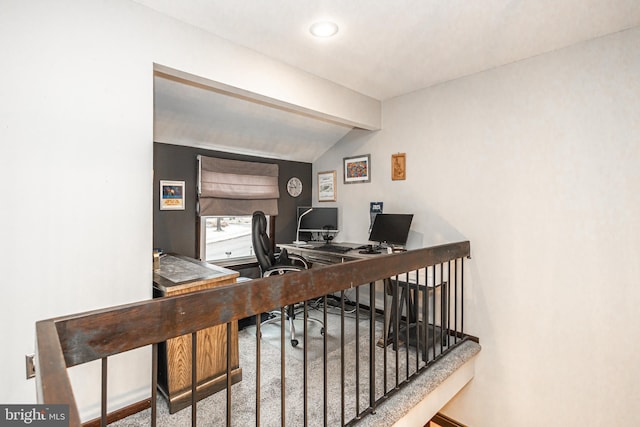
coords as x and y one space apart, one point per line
212 410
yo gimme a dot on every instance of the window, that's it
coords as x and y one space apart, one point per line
226 237
229 191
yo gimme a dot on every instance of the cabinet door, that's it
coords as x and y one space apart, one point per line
211 353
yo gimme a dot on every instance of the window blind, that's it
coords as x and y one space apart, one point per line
235 187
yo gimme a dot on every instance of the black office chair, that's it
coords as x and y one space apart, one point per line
280 262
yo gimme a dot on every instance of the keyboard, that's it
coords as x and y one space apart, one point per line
332 248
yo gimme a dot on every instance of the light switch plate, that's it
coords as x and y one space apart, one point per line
31 367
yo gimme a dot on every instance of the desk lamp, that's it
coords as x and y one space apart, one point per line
298 241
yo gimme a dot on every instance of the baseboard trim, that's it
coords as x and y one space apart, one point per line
121 413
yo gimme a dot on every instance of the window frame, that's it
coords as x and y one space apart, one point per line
239 260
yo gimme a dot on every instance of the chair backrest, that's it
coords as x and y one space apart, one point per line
261 242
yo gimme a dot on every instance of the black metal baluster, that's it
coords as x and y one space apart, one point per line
342 358
228 374
433 309
324 360
372 346
282 368
194 378
443 292
305 362
397 309
416 320
154 384
455 301
462 297
103 397
387 325
447 309
407 331
357 352
425 315
449 283
258 339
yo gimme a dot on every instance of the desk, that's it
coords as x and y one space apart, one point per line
179 275
405 301
311 252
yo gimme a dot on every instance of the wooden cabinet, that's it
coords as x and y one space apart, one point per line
178 275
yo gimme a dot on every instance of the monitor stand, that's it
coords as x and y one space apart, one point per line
327 238
370 250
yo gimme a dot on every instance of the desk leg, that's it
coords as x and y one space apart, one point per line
389 304
408 305
393 312
398 299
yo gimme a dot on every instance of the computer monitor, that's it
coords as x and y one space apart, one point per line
318 220
392 229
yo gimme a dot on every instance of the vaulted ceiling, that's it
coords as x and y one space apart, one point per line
191 115
384 48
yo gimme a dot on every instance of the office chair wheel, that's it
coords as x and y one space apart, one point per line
294 343
321 331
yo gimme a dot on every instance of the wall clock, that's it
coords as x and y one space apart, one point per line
294 187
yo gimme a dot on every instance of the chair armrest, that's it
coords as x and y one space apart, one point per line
283 257
281 269
300 259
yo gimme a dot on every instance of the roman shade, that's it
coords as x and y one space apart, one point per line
235 187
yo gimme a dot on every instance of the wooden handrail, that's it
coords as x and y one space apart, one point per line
52 380
71 340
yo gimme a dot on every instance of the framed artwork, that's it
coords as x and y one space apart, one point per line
357 169
398 167
327 186
171 195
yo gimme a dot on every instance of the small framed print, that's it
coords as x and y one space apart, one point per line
327 186
398 167
357 169
171 195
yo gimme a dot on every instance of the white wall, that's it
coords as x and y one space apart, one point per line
76 123
538 164
76 132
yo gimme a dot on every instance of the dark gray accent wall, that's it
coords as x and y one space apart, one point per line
176 231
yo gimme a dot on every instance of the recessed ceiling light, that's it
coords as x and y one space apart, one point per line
324 29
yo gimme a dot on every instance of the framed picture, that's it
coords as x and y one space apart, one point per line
171 195
327 186
398 166
357 169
